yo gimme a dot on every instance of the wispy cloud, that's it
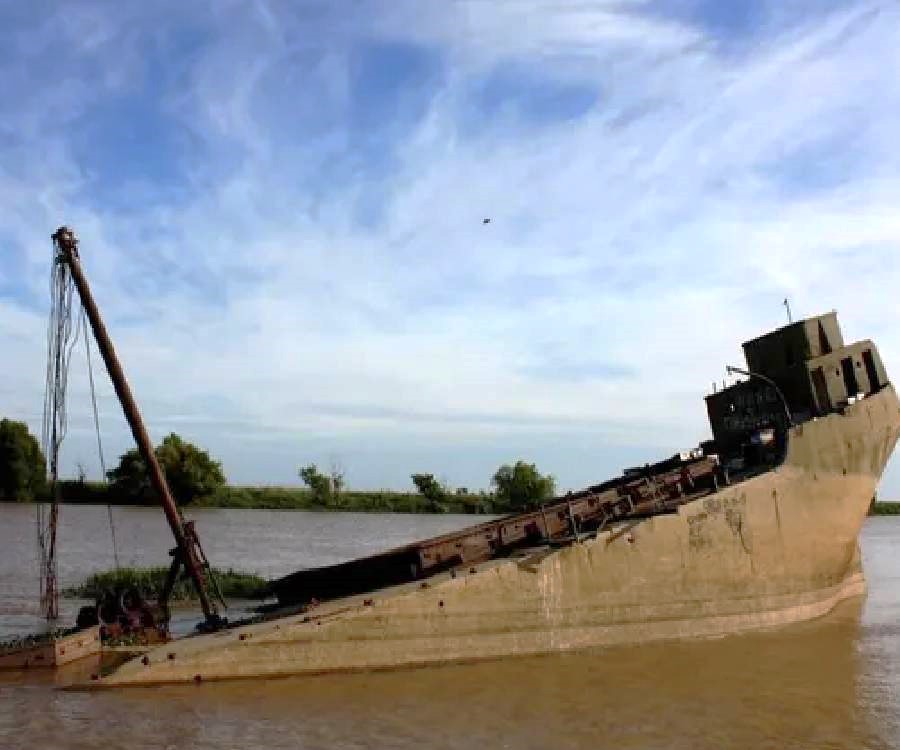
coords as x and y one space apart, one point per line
281 210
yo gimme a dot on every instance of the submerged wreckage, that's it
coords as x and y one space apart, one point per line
757 527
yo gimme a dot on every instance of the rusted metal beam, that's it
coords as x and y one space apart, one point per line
67 247
659 489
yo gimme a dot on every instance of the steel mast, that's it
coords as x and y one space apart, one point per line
187 552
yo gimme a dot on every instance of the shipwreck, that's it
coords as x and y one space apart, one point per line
756 527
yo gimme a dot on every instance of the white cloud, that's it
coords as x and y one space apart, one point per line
651 235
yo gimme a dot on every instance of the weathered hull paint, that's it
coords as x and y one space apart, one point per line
775 549
56 653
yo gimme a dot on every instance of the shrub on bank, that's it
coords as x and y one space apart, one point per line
150 581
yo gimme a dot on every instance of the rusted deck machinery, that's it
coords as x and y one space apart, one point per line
639 493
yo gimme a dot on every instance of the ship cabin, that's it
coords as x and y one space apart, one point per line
799 372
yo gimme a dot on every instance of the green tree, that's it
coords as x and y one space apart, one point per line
522 486
23 469
190 472
337 480
129 481
319 485
432 490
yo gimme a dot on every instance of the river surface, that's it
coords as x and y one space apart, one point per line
831 683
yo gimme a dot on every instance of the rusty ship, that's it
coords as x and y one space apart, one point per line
757 527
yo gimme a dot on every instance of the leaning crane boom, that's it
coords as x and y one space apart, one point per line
187 552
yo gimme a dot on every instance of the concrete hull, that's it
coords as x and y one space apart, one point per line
55 653
775 549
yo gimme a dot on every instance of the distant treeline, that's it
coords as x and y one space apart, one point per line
296 498
301 498
196 479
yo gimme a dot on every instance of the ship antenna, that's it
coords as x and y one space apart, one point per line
787 306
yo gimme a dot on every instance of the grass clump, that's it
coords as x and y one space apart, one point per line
150 581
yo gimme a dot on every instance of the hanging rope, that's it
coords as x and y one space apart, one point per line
61 338
62 335
109 511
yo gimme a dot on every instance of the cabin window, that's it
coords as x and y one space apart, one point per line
850 382
871 370
824 344
821 387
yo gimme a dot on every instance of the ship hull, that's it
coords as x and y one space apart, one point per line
53 653
774 549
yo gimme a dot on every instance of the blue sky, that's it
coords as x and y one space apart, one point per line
280 206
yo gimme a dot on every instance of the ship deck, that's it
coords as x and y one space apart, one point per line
639 493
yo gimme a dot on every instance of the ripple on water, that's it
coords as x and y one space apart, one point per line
832 683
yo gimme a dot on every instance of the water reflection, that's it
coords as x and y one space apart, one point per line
831 683
802 687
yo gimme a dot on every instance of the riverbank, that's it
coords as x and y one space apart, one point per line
300 498
76 492
379 501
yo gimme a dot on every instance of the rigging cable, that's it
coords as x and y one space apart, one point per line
109 511
61 339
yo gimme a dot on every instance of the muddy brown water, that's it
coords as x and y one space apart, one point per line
831 683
